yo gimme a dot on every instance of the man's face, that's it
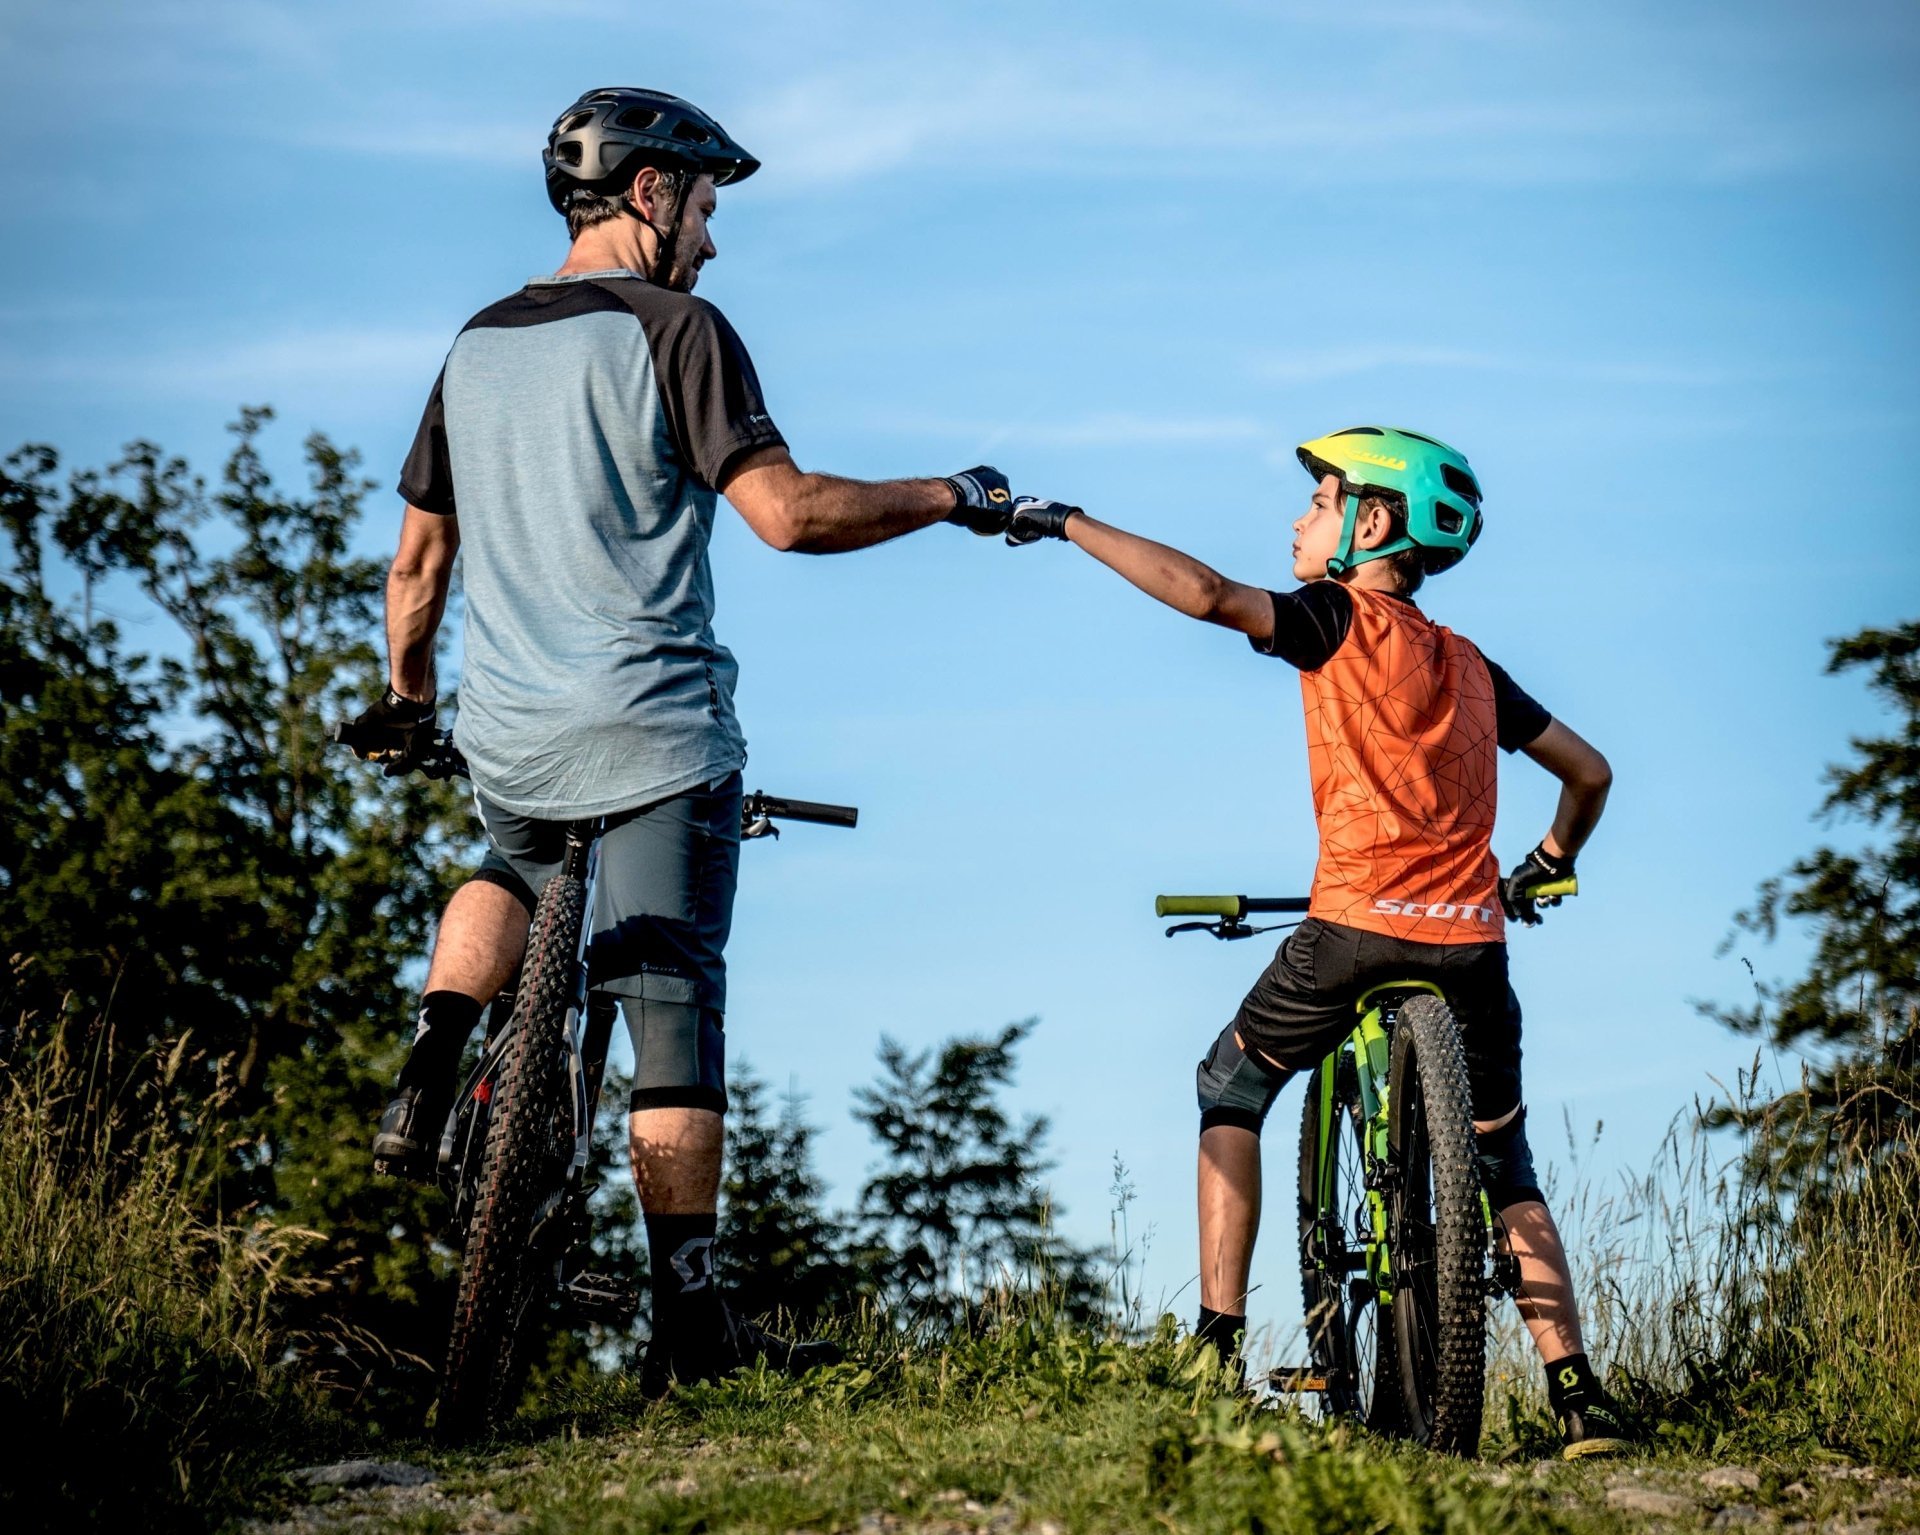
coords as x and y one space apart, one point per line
695 247
1316 533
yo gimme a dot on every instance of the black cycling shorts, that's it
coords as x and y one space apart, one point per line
1304 1004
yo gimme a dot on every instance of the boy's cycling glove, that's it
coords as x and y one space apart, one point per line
1538 868
1034 519
981 501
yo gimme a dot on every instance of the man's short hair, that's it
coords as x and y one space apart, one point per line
586 208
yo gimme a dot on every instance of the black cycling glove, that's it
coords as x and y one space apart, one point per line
1516 891
981 502
391 731
1034 519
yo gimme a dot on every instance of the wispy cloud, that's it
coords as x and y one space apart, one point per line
255 368
1096 429
1065 106
1317 366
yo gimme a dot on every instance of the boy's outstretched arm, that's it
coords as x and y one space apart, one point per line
1178 580
1584 778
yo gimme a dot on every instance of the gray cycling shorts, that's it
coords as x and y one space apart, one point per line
663 907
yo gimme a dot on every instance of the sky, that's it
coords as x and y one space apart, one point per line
1649 265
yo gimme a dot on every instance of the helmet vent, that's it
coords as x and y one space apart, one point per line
1360 431
636 117
577 121
1422 437
1448 519
568 154
1461 484
691 133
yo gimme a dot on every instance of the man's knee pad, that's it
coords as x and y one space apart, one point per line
503 875
1233 1088
1506 1164
679 1055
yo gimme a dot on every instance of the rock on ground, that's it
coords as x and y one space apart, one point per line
365 1473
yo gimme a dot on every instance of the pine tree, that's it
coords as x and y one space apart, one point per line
956 1208
1857 1007
779 1252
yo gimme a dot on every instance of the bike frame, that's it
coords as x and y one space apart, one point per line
1370 1045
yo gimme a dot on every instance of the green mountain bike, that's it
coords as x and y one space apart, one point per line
1399 1246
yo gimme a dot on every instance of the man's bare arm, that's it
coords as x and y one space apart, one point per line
1178 580
417 585
808 513
1584 778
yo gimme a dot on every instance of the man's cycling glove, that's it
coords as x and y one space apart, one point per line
981 501
392 731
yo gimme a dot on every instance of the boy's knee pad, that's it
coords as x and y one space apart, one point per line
1506 1164
679 1055
1233 1088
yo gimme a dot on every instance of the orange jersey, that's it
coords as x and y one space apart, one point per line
1402 736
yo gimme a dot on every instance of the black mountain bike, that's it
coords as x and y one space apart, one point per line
1400 1247
514 1154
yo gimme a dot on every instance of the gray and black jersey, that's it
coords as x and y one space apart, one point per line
580 429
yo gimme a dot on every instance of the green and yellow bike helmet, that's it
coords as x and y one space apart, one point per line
1432 480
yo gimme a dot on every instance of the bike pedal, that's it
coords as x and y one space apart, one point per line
601 1298
1298 1381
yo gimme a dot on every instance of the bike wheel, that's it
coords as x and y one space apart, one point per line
1349 1336
1436 1231
499 1273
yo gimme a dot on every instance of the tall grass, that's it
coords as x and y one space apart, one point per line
1748 1303
141 1374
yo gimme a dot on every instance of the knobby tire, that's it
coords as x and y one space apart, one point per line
1349 1337
1437 1231
498 1271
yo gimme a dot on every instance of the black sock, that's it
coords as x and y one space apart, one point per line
680 1253
1221 1330
1571 1384
447 1020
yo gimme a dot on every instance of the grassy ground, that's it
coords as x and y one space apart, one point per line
1047 1430
139 1362
1773 1339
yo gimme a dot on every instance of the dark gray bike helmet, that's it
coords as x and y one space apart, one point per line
601 142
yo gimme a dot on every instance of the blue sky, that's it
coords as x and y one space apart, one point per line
1650 266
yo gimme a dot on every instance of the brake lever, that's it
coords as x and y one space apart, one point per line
1225 928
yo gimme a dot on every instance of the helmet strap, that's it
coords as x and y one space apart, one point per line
667 241
1346 557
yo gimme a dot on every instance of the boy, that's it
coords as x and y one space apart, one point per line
1403 718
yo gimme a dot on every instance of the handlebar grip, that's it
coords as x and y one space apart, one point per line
1234 906
1568 886
802 810
1260 903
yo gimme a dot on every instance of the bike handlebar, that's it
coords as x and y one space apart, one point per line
1232 907
770 806
440 758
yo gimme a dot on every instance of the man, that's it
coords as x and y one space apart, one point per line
575 445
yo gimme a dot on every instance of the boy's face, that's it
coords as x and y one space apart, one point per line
1316 533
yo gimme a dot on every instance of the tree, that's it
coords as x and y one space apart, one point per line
1856 1005
956 1208
779 1251
183 858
